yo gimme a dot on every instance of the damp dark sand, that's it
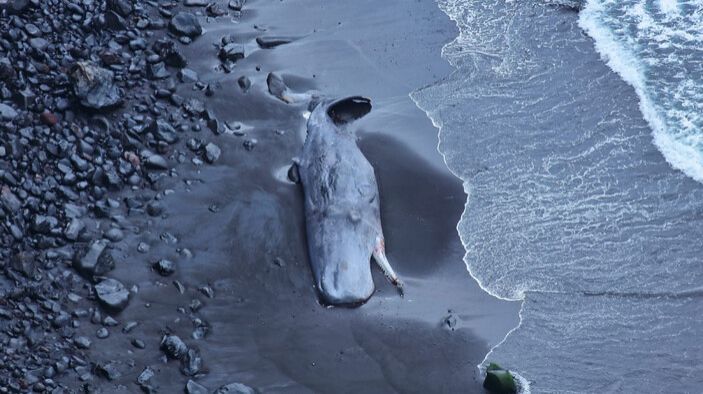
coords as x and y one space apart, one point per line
243 222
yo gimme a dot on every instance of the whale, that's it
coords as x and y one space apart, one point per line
341 203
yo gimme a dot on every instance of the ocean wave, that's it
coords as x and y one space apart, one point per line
655 49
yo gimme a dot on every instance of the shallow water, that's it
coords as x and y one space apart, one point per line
571 207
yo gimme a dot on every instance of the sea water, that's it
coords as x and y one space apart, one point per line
578 138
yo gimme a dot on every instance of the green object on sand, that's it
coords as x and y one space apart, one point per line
499 380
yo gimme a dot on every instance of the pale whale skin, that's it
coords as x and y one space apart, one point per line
342 213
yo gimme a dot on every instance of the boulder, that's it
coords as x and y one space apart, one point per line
235 388
112 294
185 24
95 87
499 380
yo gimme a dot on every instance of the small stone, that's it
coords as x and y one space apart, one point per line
138 343
96 260
164 267
102 333
235 388
112 294
499 381
231 52
48 118
192 363
212 152
95 86
114 235
7 112
236 4
156 162
157 71
195 388
187 75
82 342
145 376
173 347
109 370
185 24
244 83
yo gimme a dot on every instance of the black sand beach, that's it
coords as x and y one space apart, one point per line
235 228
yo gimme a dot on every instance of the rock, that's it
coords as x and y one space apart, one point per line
244 83
212 152
155 162
272 42
187 75
215 10
44 224
235 388
38 43
157 71
48 118
114 234
231 52
173 347
185 24
499 381
195 388
138 343
94 86
102 333
250 144
82 342
74 229
109 370
164 267
7 112
154 208
192 363
277 87
163 131
194 107
14 6
122 7
236 5
145 376
96 260
112 294
195 3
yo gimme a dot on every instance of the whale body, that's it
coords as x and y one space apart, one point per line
342 207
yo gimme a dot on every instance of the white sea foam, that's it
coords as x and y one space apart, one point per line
677 137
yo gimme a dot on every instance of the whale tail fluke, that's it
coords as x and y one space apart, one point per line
379 254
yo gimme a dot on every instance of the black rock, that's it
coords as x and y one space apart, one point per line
236 5
44 224
277 87
212 152
231 52
192 363
138 343
235 388
109 370
14 6
82 342
163 131
499 381
164 267
173 347
194 107
155 162
187 75
145 376
7 112
122 7
185 24
244 83
102 333
94 86
272 42
96 260
196 388
112 294
74 229
157 71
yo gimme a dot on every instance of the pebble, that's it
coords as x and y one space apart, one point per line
102 333
173 347
185 24
112 294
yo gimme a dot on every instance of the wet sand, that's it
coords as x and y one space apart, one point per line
242 221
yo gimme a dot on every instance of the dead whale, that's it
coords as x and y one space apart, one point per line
342 212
